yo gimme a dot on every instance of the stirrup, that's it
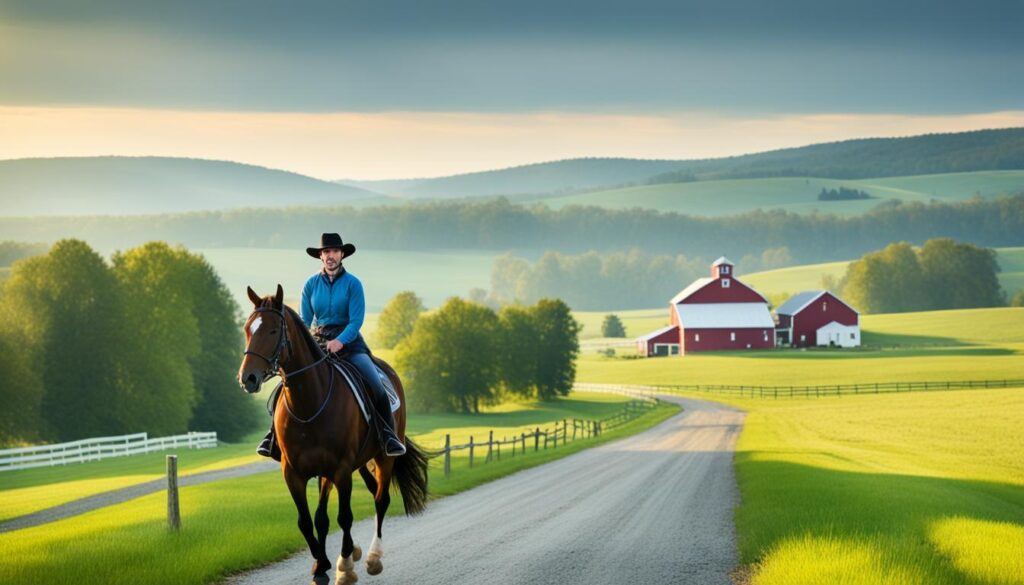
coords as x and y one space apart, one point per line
393 447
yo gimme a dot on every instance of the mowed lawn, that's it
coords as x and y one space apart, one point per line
237 524
969 344
918 488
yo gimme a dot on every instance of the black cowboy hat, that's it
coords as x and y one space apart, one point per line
331 241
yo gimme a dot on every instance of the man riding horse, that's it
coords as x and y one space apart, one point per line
333 306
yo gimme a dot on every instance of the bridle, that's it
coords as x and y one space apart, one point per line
274 362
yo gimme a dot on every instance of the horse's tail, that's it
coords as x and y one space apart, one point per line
411 475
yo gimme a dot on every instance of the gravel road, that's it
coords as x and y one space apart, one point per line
650 509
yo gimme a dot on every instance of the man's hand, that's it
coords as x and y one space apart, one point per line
334 346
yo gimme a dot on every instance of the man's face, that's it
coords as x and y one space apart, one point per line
331 258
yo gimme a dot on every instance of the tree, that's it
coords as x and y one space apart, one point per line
70 298
887 281
518 332
158 307
557 347
449 361
21 392
959 275
398 318
612 326
1018 299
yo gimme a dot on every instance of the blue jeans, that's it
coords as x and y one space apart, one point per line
368 369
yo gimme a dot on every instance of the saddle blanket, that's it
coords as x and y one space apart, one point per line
385 381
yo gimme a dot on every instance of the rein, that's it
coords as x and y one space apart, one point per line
274 365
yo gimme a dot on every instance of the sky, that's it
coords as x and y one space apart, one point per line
384 89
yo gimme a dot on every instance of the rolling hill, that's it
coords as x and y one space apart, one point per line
796 194
930 154
145 185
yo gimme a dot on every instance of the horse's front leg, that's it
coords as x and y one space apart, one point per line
349 551
323 526
297 488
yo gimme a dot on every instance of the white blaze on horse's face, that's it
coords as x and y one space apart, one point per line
255 325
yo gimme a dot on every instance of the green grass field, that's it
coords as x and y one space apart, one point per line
227 526
636 322
921 488
809 276
796 194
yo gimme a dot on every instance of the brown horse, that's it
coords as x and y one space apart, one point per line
322 433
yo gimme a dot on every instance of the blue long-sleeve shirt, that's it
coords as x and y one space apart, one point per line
338 303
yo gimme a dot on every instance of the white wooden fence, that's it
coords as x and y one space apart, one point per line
99 448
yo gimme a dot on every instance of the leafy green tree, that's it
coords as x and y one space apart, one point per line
158 306
887 281
221 406
398 318
450 360
557 347
518 331
960 275
73 302
21 392
612 326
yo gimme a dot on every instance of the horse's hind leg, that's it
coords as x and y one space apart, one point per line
346 561
323 525
381 500
297 488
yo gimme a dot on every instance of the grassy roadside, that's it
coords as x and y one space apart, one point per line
228 526
916 488
21 491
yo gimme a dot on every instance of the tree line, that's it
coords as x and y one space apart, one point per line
501 225
466 355
148 342
842 194
600 282
941 274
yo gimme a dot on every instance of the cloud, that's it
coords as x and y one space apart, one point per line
747 56
416 144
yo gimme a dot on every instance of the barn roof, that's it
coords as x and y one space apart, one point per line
654 334
725 316
722 260
799 301
694 287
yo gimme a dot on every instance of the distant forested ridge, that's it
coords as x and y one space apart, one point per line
983 150
11 252
500 225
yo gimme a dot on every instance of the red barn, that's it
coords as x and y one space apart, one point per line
714 314
817 318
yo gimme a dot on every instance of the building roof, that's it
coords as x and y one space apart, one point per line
725 316
654 334
694 287
722 260
799 302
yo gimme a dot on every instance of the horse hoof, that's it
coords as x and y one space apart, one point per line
357 553
374 566
321 580
347 578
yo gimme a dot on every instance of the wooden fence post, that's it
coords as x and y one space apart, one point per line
447 455
471 451
536 439
523 435
490 444
173 511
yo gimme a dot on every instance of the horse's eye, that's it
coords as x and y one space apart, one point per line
274 332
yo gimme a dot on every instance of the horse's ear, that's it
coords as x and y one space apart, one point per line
255 298
279 298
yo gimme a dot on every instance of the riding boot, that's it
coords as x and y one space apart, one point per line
386 433
268 446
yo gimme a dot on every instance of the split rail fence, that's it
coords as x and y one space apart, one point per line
99 448
561 433
753 391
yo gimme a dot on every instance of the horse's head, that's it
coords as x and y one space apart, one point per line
266 341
